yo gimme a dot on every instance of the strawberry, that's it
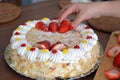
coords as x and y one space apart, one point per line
53 27
76 46
112 73
113 51
63 29
58 46
118 37
54 51
43 45
41 26
116 61
64 26
65 23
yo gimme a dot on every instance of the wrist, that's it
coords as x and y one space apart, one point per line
110 8
103 8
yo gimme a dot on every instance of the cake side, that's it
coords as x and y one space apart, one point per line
48 69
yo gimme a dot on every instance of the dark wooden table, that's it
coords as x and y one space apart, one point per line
39 10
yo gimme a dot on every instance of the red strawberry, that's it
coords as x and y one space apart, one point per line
41 26
64 26
65 23
63 29
76 46
43 45
118 37
58 46
116 61
54 51
113 51
53 27
112 74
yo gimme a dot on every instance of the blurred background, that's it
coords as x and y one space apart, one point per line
26 2
22 2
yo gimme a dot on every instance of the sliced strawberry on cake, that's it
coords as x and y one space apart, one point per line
43 45
58 46
113 51
41 26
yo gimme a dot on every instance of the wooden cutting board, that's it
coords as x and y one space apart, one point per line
107 62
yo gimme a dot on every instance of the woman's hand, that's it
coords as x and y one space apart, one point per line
83 11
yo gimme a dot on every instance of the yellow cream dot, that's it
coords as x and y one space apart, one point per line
47 60
28 48
87 32
44 19
18 28
84 41
17 39
29 21
65 51
44 50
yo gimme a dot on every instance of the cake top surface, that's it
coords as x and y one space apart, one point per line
30 41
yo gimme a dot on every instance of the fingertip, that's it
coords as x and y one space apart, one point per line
63 16
65 12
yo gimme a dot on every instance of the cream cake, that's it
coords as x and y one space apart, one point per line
48 53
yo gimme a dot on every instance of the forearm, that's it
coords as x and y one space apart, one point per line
110 8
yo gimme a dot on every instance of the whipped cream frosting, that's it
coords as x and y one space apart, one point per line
70 55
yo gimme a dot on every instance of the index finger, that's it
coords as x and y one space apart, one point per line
66 11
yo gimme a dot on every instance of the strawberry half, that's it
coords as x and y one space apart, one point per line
58 46
43 45
116 61
65 23
112 74
41 26
64 26
113 51
53 27
63 29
